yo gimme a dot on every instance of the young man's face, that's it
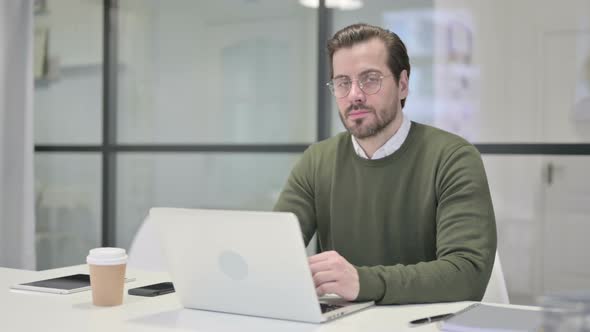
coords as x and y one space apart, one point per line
365 115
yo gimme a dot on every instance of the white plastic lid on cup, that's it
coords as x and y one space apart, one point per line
106 256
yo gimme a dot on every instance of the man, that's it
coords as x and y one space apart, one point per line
402 210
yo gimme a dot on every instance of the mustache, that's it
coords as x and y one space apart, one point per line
359 107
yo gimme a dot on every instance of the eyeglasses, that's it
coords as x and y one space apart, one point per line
369 83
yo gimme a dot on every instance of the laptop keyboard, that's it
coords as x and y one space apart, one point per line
329 307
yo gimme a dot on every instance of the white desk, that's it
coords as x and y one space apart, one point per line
30 311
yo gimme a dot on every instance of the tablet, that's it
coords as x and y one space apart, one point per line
63 285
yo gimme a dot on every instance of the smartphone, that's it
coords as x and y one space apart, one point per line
62 285
153 290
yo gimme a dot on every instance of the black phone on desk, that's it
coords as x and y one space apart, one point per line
153 290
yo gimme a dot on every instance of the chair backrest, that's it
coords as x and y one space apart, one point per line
145 252
496 291
312 246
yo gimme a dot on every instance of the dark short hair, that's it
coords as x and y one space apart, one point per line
397 57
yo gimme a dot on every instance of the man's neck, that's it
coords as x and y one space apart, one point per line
371 144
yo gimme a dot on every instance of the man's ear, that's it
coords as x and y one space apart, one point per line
403 87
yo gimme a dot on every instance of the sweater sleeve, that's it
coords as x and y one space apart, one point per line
465 242
298 195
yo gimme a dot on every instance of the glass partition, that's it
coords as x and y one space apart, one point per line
68 73
217 72
67 207
245 181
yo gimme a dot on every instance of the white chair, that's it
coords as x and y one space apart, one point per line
312 246
496 291
145 252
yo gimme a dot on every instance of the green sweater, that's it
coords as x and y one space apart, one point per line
418 225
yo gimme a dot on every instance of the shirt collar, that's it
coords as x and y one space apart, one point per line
392 144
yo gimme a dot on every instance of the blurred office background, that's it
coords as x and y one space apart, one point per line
141 103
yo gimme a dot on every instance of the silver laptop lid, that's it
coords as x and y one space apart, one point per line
244 262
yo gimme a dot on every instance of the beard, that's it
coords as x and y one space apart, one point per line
367 127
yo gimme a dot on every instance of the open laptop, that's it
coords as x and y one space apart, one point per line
243 262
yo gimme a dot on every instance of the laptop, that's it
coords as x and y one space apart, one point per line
243 262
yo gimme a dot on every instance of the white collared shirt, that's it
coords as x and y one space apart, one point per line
392 144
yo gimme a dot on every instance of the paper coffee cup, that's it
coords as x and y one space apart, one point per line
107 275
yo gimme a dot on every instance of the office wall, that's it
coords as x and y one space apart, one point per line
17 221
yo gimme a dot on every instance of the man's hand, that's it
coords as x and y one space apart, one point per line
334 274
